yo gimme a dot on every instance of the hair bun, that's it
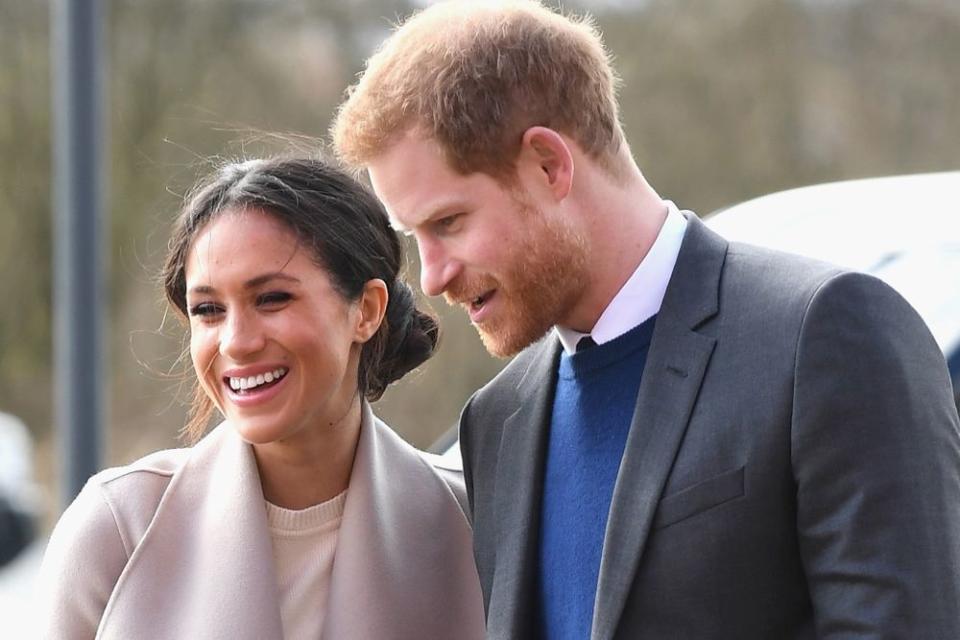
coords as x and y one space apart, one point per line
400 309
411 337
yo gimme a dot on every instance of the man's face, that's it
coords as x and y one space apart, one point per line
515 267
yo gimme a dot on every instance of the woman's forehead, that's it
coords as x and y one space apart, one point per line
239 241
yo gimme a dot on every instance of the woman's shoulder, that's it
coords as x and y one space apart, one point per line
133 491
116 504
120 501
449 467
451 470
433 471
94 538
153 468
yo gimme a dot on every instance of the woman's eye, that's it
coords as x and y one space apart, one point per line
273 298
205 309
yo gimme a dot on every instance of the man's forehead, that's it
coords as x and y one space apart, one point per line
414 184
396 199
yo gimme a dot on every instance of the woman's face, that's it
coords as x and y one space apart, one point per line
273 343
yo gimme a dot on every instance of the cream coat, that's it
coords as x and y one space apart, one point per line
176 546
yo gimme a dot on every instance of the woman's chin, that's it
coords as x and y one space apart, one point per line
258 431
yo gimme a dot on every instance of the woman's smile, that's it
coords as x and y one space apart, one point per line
254 385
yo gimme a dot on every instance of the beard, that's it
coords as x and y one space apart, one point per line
542 282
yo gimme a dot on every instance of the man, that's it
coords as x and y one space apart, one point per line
749 444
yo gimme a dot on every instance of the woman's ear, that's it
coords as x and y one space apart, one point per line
373 306
548 154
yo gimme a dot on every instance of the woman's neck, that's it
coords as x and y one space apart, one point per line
314 467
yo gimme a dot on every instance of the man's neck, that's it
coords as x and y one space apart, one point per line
624 221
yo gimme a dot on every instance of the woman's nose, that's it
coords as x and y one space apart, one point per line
241 336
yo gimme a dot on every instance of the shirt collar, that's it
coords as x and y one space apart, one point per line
640 297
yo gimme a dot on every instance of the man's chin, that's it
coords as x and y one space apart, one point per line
496 347
505 343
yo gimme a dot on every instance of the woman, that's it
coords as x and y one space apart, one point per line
301 515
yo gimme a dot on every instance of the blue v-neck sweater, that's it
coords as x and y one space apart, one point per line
592 410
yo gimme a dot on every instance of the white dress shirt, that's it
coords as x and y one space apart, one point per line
640 297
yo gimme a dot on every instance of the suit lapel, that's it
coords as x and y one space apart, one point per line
675 367
519 492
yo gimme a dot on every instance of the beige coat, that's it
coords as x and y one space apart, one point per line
176 546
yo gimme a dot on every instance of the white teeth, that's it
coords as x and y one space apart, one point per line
251 382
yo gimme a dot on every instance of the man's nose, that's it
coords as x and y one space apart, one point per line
241 336
437 268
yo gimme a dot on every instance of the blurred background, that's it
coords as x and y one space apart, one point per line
722 100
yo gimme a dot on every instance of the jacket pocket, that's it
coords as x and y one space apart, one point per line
704 495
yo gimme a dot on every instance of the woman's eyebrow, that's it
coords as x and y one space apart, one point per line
252 283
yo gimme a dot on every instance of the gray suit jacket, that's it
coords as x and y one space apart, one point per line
792 469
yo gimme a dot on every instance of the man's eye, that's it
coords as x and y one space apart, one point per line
205 309
449 223
273 298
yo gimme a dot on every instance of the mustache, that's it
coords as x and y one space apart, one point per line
465 288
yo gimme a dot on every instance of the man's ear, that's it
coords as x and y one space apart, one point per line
373 306
549 154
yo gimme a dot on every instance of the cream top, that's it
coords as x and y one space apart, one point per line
304 545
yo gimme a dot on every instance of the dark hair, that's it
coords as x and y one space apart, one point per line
349 234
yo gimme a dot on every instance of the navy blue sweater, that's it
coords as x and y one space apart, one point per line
594 404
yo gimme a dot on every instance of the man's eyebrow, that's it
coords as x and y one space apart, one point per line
252 283
434 211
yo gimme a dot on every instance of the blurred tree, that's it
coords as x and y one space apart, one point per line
25 242
727 100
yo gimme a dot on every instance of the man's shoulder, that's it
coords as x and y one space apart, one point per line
493 404
777 267
784 277
780 284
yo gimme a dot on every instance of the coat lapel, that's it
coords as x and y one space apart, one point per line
204 568
519 490
674 370
404 567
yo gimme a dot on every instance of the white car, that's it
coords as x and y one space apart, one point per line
20 550
17 492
